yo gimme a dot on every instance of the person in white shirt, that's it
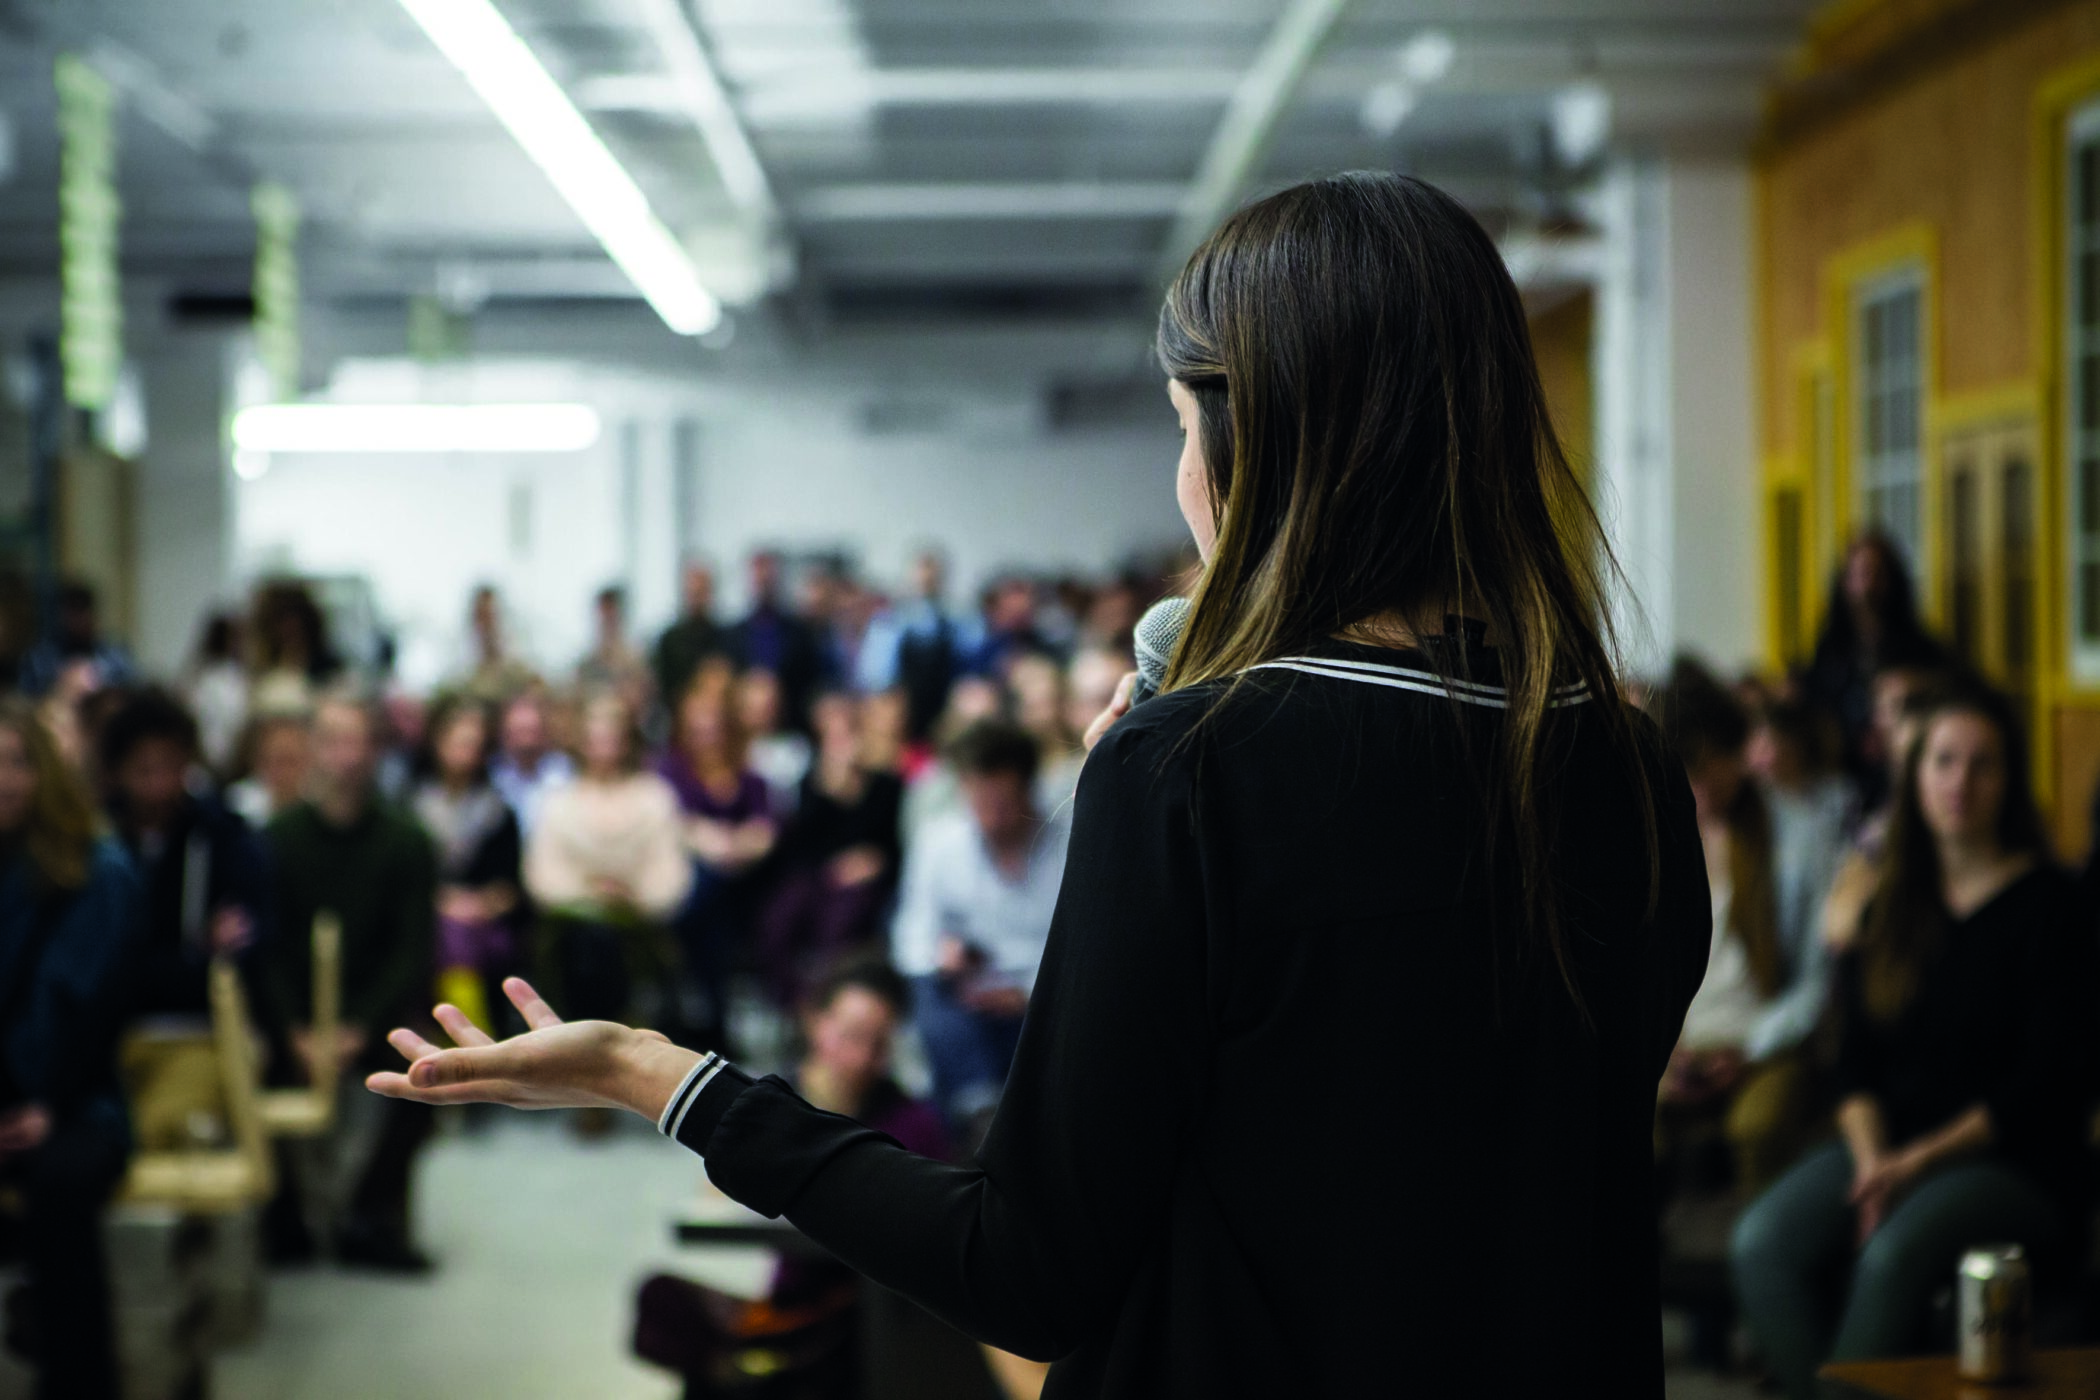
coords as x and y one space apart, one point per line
980 885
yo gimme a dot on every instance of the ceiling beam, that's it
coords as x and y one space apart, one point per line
697 92
1250 117
957 201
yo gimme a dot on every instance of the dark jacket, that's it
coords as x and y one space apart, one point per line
1289 1116
379 876
208 860
63 982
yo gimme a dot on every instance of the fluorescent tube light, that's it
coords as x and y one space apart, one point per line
415 427
535 110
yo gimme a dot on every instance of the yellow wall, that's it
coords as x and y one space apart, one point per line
1946 157
1560 339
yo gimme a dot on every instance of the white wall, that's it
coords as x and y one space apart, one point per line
793 468
1676 395
184 526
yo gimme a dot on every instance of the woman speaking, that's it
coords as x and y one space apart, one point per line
1378 924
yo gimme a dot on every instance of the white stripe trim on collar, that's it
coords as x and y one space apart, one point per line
1492 697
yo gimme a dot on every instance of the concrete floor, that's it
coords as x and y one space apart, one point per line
541 1240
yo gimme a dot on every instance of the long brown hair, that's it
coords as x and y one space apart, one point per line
1906 928
1378 444
59 835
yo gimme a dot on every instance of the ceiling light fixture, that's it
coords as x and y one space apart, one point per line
500 67
415 427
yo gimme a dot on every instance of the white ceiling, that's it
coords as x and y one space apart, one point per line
930 158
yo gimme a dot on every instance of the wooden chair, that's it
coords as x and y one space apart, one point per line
310 1112
217 1180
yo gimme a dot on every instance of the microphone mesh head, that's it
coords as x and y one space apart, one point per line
1157 632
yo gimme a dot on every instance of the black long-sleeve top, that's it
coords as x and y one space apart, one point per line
207 860
379 876
1282 1121
2001 1017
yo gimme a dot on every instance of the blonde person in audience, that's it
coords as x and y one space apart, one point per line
69 923
1768 864
606 865
1036 680
277 754
1090 684
1964 1074
491 671
480 855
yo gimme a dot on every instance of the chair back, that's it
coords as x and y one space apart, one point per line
327 997
240 1071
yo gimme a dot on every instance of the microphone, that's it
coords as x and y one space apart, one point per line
1153 643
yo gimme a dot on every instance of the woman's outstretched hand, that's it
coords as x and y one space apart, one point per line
555 1064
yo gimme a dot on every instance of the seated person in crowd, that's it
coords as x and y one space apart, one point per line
278 755
606 866
730 829
836 863
205 888
69 910
1964 1070
529 765
1768 864
779 755
76 642
479 855
979 888
1901 695
810 1314
346 851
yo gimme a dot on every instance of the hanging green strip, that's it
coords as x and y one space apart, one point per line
91 313
277 287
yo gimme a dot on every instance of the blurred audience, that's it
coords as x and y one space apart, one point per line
205 894
217 690
76 641
1768 862
278 753
693 638
613 662
480 857
773 637
528 766
1870 624
69 912
915 647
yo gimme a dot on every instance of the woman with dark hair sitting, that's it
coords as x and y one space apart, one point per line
1964 1067
480 855
836 861
69 910
809 1316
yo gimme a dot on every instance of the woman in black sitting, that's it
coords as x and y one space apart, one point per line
1964 1072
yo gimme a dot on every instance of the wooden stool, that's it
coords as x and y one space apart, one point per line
310 1112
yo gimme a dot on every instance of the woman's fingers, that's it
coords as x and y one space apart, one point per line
530 1004
398 1086
462 1030
412 1046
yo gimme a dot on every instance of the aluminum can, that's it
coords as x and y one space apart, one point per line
1997 1314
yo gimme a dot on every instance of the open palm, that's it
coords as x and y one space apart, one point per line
555 1064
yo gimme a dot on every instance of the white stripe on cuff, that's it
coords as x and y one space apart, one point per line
678 1095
